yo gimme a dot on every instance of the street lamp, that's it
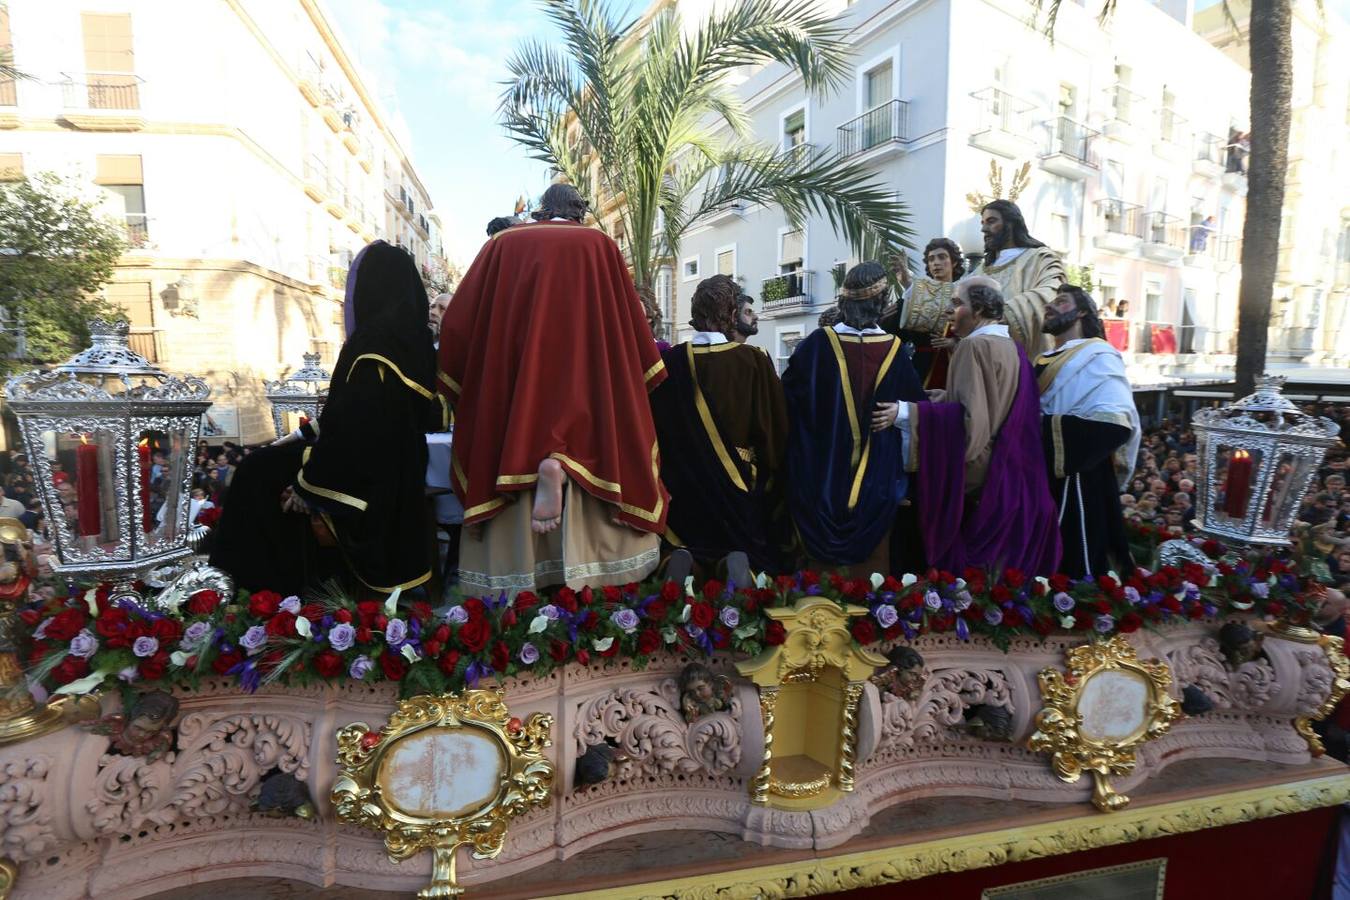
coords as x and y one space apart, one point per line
302 393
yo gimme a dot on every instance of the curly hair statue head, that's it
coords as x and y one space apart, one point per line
953 253
715 304
1014 234
984 297
561 201
865 293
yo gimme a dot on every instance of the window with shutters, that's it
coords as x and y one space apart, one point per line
791 251
134 299
726 261
109 61
122 181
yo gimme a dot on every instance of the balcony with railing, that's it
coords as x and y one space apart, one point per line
1208 160
316 179
1003 123
1125 109
136 227
1119 226
785 294
878 132
1227 252
116 91
1173 137
356 215
1068 149
1164 237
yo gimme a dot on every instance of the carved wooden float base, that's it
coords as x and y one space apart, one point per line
81 822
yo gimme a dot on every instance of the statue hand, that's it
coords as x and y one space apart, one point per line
884 416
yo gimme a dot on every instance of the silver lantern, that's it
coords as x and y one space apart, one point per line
301 394
111 439
1258 457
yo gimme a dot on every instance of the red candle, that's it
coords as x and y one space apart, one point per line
86 487
1238 484
143 451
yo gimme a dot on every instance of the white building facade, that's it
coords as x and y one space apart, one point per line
1123 126
240 147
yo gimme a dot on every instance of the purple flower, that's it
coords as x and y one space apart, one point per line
731 616
932 600
1104 623
195 635
396 632
145 646
253 639
342 636
291 605
1132 595
1260 589
624 618
129 674
993 615
693 631
963 600
886 615
84 644
359 667
456 615
909 631
962 629
1192 592
551 612
1063 602
529 653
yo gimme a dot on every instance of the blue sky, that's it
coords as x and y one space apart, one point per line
437 67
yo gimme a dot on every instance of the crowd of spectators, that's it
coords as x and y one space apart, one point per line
1164 489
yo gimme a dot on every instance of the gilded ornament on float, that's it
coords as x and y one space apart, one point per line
810 687
1096 714
445 771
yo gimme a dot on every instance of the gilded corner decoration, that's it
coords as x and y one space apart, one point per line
1097 714
812 681
444 771
1338 677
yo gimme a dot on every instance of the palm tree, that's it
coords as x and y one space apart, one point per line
649 105
1272 68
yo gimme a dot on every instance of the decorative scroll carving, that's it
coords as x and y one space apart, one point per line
942 705
647 728
25 826
1248 688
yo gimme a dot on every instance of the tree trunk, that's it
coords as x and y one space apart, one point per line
1272 67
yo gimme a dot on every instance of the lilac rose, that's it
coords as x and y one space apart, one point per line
1063 602
291 605
396 632
625 619
1132 595
342 637
145 646
84 644
253 639
993 615
548 611
963 600
529 654
456 615
886 615
195 635
932 600
1104 623
359 667
731 616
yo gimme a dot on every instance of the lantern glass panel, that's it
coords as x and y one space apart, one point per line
88 511
163 475
291 420
1238 472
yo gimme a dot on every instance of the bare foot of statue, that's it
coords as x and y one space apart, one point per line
548 498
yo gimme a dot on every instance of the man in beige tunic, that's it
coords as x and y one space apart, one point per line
1027 272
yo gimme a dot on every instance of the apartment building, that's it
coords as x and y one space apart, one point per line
247 160
1124 127
1310 316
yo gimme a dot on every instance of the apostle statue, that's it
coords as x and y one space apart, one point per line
353 479
983 492
547 360
845 481
747 320
1091 434
920 317
722 426
1027 272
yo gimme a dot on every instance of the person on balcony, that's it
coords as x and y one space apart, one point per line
989 506
845 481
920 317
547 358
1027 272
1090 429
721 423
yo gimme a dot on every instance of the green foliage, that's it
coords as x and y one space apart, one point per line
56 252
1083 276
649 102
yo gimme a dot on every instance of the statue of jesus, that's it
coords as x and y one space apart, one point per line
1028 272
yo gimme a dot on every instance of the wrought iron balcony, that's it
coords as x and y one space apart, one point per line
785 293
1208 149
1002 124
1164 237
884 125
102 90
137 228
1068 150
1120 224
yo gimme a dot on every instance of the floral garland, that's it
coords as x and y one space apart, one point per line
87 641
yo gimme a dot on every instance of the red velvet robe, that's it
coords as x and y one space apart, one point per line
545 352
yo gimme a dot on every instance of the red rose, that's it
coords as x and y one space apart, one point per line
891 633
1000 594
431 648
612 593
342 615
203 603
864 632
166 630
670 591
891 584
1014 578
448 661
583 657
558 650
586 596
226 661
1107 583
281 625
475 606
774 633
508 617
648 641
1102 606
810 578
394 665
1083 620
473 634
712 589
153 668
1013 618
421 611
264 604
1043 625
526 600
328 664
702 614
501 656
751 602
66 624
656 610
590 620
566 598
363 634
312 611
69 669
1195 611
785 583
380 623
1129 623
1060 582
367 611
441 634
30 617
